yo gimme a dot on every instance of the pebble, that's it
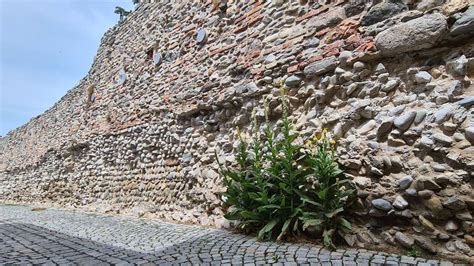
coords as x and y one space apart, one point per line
403 122
464 23
382 204
443 114
451 226
358 66
443 139
320 67
382 11
469 132
422 77
405 182
454 203
400 203
344 57
390 85
404 240
432 202
293 81
466 102
426 223
457 67
426 244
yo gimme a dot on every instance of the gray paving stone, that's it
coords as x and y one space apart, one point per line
68 238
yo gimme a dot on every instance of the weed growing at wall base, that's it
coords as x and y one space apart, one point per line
282 188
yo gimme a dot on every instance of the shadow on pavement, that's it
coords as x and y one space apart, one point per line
29 244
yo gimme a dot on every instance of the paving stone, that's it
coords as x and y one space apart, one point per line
60 237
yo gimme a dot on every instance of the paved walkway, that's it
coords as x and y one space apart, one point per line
53 237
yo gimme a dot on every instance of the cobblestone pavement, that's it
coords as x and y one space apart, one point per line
53 237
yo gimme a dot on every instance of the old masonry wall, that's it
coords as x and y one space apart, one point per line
169 85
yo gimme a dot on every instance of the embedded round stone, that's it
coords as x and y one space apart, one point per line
404 240
422 77
122 77
400 203
403 122
469 132
293 81
466 102
382 204
201 36
405 182
157 58
417 34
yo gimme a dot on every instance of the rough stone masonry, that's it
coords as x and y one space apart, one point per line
169 85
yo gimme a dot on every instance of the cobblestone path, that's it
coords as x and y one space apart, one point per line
53 237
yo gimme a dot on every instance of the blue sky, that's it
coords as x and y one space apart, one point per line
46 47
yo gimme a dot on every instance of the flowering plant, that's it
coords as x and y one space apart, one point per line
332 193
281 187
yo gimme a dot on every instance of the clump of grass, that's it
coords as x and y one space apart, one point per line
414 252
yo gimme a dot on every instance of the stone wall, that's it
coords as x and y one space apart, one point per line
169 85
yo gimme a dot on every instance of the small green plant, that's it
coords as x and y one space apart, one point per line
281 188
276 258
414 252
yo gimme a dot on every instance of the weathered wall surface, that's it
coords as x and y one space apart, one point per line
392 81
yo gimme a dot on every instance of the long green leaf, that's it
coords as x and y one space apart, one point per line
345 223
334 212
267 228
311 222
270 206
295 226
234 215
284 229
249 215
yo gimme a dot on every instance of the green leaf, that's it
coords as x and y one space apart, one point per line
253 195
334 212
233 215
322 194
249 215
306 199
296 211
345 223
327 238
295 226
311 222
284 229
267 228
284 187
270 206
309 215
312 202
337 172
